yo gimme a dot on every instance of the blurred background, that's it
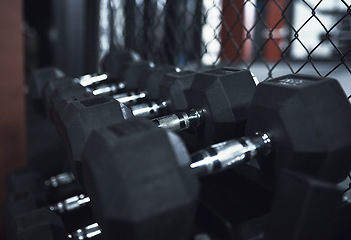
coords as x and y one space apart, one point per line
271 35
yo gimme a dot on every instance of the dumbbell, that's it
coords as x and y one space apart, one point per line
28 190
175 91
130 73
148 81
171 91
38 79
44 224
227 94
25 177
114 66
26 200
170 98
152 84
57 89
219 104
297 122
56 187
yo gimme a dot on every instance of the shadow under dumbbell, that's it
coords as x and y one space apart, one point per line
46 153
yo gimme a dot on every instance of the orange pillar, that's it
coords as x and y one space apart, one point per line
232 31
12 103
275 22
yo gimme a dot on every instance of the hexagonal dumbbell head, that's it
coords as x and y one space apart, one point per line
36 83
40 77
151 80
308 120
38 224
139 182
85 115
132 72
22 178
172 90
60 110
50 87
20 202
172 98
224 96
114 60
60 99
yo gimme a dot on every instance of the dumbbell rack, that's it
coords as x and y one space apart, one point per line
242 203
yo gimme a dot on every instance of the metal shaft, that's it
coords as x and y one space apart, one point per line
70 204
91 82
59 180
87 232
130 97
230 153
150 109
180 121
90 79
106 88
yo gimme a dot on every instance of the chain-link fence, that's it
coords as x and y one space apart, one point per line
269 37
296 36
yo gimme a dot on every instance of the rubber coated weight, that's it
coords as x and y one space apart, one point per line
38 224
224 95
308 119
81 117
154 193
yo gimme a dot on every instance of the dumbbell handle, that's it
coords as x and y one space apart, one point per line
230 153
105 88
59 180
130 97
180 121
87 232
90 82
70 204
90 79
150 109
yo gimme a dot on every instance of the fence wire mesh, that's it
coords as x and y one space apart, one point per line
290 34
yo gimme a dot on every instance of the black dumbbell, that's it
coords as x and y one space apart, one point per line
297 122
44 224
40 77
28 190
219 102
57 89
81 117
36 83
25 177
170 88
130 73
148 81
172 93
171 97
26 200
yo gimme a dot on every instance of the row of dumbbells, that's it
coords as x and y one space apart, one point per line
29 194
78 110
294 122
173 98
64 86
46 209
